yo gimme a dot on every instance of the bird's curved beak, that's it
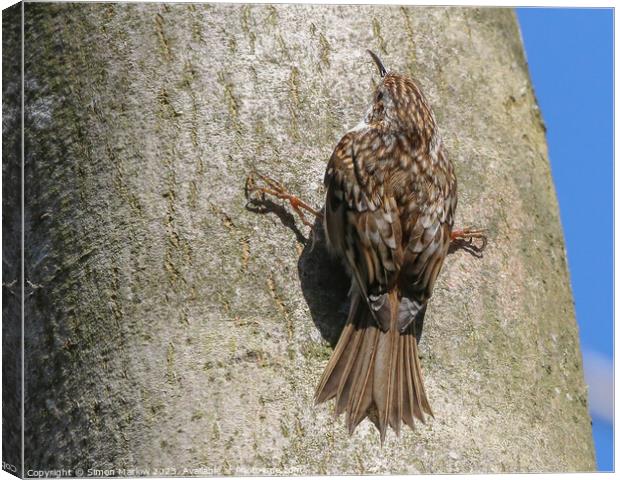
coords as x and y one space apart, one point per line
379 63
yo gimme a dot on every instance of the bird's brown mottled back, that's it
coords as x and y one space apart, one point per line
390 203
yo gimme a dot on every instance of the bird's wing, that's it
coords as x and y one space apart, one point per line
362 220
427 217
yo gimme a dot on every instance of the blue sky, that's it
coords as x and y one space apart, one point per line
570 56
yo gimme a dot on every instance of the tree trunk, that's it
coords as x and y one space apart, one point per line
12 370
169 326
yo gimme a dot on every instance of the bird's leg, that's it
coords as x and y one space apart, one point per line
275 188
468 234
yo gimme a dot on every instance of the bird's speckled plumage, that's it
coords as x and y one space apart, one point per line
389 211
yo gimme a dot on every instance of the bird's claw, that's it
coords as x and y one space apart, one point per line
468 234
276 189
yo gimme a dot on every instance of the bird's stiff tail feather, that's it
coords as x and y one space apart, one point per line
375 373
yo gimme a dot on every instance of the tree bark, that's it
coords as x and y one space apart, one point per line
12 216
171 326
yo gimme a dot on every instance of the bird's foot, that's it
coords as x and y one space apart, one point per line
467 236
276 189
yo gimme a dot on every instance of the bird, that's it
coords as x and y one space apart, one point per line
391 197
390 202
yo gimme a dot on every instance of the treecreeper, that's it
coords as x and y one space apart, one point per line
391 197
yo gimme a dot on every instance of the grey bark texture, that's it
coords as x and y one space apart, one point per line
171 327
11 239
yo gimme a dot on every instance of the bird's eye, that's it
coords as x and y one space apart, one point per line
379 96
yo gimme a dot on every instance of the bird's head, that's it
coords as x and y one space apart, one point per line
398 104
